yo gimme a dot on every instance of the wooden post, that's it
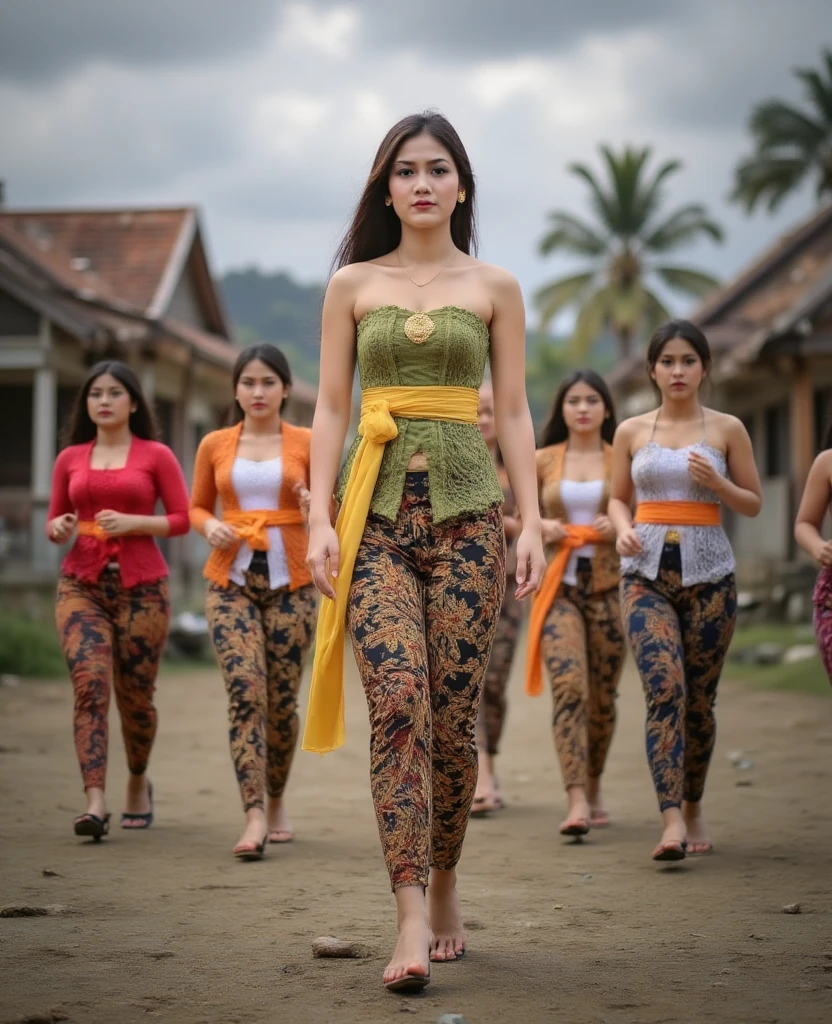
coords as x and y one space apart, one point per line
802 424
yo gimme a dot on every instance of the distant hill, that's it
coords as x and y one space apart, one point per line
274 307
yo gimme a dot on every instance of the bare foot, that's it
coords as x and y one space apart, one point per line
577 818
599 816
673 843
697 831
96 804
137 802
251 841
485 799
411 955
447 941
277 821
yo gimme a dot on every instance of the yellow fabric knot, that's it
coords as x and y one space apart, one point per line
325 717
377 425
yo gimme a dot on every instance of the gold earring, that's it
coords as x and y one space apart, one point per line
460 196
388 201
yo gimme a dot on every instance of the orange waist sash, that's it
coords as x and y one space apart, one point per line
90 528
576 537
252 526
678 513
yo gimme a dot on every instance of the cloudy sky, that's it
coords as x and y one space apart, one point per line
267 114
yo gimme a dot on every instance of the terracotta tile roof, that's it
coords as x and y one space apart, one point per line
111 253
763 297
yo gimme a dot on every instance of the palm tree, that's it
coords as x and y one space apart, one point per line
613 292
790 144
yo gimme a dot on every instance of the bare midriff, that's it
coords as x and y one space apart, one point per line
418 463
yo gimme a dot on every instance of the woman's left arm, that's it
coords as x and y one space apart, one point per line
515 432
173 492
741 491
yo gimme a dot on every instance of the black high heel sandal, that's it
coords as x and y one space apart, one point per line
143 820
91 826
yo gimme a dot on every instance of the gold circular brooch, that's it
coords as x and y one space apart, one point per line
419 328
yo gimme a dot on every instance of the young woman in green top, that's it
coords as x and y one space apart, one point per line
418 313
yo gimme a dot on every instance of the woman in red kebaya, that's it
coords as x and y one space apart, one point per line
112 605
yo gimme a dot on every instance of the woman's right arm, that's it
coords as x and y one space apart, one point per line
61 519
813 507
621 491
330 423
204 500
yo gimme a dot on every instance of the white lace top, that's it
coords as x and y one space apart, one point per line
662 474
581 501
257 485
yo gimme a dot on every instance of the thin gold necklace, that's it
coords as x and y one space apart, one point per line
438 272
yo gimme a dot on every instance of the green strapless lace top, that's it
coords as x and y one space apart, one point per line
460 472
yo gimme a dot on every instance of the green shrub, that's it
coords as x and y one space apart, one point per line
29 649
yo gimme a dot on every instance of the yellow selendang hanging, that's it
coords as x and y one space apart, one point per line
325 717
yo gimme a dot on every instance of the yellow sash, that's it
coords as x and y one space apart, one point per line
325 717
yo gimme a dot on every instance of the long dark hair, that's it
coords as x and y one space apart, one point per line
555 431
376 229
273 358
142 422
683 329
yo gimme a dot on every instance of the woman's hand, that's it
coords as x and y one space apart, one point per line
603 524
323 556
703 472
552 530
61 527
220 535
824 555
531 563
628 545
301 492
115 524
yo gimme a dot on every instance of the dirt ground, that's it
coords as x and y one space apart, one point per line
165 925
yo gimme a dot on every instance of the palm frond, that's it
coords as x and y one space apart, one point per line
651 195
775 125
759 178
687 279
591 320
552 298
682 226
655 312
818 90
604 205
570 234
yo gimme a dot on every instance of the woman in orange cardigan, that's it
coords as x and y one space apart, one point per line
260 601
575 621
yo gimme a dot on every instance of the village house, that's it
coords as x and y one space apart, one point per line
77 286
770 331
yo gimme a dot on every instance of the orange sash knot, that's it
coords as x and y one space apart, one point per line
252 526
576 537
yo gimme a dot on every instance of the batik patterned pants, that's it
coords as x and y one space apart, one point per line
261 638
423 609
823 632
583 647
493 704
679 637
112 637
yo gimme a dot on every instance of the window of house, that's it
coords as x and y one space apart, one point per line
823 415
16 431
778 440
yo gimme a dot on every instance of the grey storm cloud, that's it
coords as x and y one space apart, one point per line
41 40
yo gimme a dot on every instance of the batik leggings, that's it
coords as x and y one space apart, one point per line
823 632
679 637
112 637
261 638
583 646
492 714
423 609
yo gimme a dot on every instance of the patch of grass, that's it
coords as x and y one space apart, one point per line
801 677
29 649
